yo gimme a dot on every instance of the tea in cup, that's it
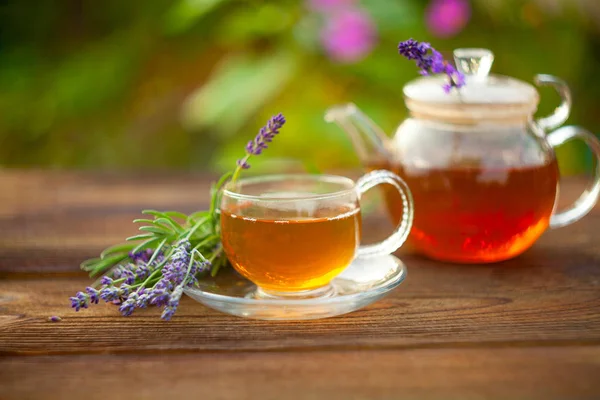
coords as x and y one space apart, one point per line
292 234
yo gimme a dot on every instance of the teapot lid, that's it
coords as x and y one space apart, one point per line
484 96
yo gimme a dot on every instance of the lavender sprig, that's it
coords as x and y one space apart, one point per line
255 147
173 251
430 61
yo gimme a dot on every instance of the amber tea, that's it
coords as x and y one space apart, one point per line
292 253
477 214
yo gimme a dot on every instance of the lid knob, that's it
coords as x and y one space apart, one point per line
474 63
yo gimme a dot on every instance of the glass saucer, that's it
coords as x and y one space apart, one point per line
365 281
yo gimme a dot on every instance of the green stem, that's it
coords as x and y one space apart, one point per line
156 251
195 251
97 282
157 270
237 171
217 265
215 196
205 241
189 269
143 284
215 254
201 222
139 286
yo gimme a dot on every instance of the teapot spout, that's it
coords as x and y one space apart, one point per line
370 142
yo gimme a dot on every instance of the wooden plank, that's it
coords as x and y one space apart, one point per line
533 300
51 221
465 374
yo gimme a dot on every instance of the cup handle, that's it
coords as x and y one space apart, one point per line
589 197
396 239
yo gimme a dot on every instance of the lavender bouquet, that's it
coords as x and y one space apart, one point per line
172 251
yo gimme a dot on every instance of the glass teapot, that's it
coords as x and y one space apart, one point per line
482 170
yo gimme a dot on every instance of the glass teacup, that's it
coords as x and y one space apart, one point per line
292 234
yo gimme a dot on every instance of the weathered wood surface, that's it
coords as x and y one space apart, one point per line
526 328
449 374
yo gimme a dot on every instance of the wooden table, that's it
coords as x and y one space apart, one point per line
527 329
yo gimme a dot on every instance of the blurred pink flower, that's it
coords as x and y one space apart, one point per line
329 5
349 35
446 18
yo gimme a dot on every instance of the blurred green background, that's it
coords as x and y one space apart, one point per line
184 84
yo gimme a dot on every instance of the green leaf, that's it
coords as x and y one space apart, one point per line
154 212
164 218
197 214
172 223
215 195
104 264
156 230
176 214
119 248
88 264
157 250
145 245
198 224
207 241
140 237
143 221
219 262
195 217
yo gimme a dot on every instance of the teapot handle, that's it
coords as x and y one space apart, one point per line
589 197
561 113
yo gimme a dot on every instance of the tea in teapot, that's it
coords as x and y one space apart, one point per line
476 213
482 171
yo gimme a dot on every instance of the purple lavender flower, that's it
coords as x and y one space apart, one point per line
54 318
124 290
159 297
109 293
197 267
172 304
256 146
142 271
265 135
446 18
129 305
457 78
106 280
349 35
141 256
177 267
430 61
164 284
127 273
93 293
242 163
80 300
160 257
168 313
413 50
174 271
143 300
